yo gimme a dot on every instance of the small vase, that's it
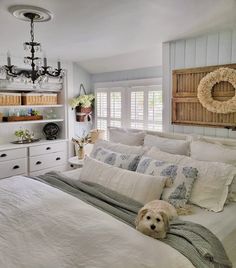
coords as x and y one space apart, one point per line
81 152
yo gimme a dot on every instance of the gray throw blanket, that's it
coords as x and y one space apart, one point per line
194 241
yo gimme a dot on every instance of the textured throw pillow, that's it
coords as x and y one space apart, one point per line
121 160
182 179
172 146
119 148
213 152
126 137
140 187
211 188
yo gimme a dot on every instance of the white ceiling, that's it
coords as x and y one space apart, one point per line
109 35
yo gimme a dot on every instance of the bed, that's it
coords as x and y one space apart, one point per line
42 226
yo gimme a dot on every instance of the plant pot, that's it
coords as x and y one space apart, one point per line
83 113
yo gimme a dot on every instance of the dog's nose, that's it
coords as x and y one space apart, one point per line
153 227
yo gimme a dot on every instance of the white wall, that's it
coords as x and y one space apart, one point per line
142 73
211 49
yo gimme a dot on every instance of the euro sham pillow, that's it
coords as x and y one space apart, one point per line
182 179
126 137
118 147
140 187
121 160
211 188
172 146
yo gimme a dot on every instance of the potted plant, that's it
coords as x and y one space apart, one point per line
83 105
24 135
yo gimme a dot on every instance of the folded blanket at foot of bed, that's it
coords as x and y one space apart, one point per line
194 241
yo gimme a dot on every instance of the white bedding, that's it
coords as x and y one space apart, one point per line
41 226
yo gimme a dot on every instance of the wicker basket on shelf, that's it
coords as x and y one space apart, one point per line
10 98
39 98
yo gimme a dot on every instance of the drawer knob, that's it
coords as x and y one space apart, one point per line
3 155
16 167
38 163
58 158
48 148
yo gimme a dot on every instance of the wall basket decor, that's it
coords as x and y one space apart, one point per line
205 96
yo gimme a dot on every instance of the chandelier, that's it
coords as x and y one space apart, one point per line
37 73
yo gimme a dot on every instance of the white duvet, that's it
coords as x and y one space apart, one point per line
42 227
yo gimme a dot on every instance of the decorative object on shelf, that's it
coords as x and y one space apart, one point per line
51 131
7 98
1 117
51 114
39 98
24 136
79 145
96 134
205 91
15 118
83 105
22 115
37 74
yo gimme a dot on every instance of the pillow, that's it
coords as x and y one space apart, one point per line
126 137
211 188
213 152
126 161
140 187
182 179
172 146
118 147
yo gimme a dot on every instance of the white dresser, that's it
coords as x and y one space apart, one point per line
33 159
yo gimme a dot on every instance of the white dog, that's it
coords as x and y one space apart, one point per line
153 219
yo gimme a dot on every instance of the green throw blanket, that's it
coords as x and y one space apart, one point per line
194 241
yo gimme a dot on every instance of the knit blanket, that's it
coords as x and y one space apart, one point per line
194 241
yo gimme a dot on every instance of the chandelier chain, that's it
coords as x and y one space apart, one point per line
32 29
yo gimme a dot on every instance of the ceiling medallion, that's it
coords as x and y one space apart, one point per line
37 73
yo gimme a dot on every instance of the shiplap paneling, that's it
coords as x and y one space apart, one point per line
211 49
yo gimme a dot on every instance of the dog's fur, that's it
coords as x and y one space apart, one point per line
153 219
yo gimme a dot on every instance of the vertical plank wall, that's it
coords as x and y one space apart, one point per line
211 49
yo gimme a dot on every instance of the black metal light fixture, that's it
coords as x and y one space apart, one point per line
37 73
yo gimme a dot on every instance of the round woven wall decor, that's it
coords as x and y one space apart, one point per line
205 86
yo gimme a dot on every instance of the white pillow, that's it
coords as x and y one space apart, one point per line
121 160
211 188
171 146
118 147
213 152
126 137
181 177
140 187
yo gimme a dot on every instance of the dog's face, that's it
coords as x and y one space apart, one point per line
154 224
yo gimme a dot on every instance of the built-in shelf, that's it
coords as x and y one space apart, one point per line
30 106
32 121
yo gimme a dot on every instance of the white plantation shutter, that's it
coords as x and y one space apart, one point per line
131 107
154 110
137 109
108 108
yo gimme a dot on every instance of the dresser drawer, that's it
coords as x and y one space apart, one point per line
13 154
47 148
43 171
13 167
46 161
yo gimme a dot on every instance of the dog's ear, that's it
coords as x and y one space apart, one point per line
141 214
166 220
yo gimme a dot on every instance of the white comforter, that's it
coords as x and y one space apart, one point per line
41 226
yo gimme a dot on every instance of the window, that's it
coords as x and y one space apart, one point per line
130 107
108 108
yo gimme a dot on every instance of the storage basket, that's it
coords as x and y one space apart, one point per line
10 98
39 98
